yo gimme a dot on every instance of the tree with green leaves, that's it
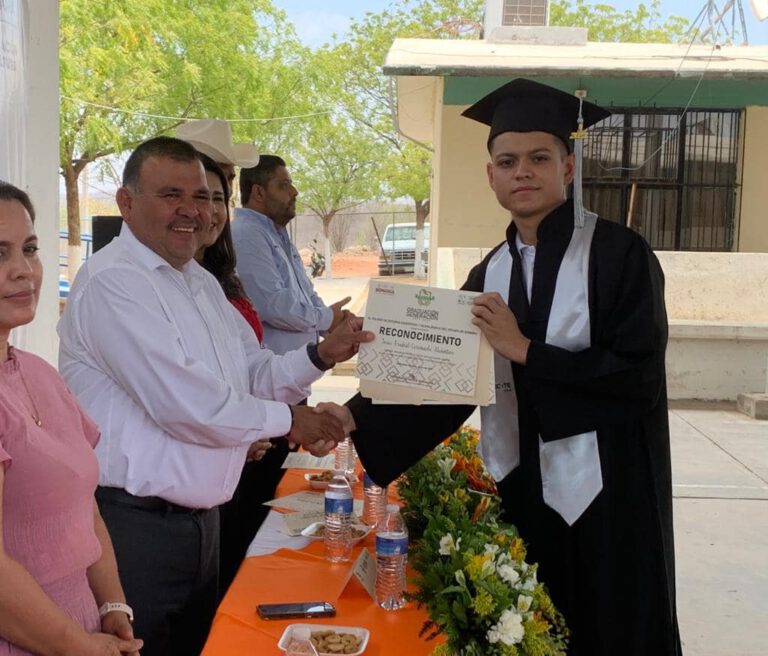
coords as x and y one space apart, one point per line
644 24
334 168
133 69
368 95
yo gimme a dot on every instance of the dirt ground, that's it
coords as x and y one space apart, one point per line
356 263
350 265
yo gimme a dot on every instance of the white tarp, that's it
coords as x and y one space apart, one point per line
13 106
13 96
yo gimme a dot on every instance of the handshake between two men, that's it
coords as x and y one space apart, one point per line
316 430
319 429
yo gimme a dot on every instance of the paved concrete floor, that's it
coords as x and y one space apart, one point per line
720 477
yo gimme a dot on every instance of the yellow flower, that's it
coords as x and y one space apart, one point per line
537 624
483 603
477 566
461 494
517 549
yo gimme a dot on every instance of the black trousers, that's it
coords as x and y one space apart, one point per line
168 559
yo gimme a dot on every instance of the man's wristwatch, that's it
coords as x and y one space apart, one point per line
315 358
110 606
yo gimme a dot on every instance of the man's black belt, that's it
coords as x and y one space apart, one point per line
120 497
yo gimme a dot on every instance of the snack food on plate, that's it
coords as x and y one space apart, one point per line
324 476
357 531
331 642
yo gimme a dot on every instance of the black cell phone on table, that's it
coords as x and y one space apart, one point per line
302 609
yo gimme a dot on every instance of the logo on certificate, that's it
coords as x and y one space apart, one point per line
424 297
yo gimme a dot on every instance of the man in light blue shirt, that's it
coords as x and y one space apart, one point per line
269 265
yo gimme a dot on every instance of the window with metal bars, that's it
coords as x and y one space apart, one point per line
671 179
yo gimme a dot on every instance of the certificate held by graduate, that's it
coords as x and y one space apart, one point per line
426 347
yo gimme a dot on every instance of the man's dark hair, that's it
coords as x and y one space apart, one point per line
260 174
219 258
170 147
10 193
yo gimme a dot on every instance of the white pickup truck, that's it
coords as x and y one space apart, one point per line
399 249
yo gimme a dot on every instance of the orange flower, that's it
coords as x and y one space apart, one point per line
481 508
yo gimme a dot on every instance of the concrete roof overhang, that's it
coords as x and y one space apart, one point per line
615 74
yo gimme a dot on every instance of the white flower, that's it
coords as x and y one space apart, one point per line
508 573
524 603
447 545
503 557
446 466
529 578
492 549
509 629
530 584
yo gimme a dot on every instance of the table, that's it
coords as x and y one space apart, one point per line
297 571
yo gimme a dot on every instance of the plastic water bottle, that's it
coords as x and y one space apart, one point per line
391 558
338 518
300 643
345 455
374 501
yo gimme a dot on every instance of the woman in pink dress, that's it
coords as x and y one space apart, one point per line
59 588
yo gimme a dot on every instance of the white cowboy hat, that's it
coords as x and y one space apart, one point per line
213 137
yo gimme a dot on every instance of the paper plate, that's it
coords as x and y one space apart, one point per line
358 631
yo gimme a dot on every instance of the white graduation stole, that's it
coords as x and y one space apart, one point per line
570 467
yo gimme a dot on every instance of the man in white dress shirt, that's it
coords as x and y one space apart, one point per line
180 388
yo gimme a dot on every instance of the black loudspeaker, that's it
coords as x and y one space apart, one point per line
105 229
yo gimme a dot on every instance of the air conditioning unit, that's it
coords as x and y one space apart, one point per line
513 13
526 21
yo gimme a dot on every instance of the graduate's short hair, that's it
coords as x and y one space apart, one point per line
9 193
260 174
169 147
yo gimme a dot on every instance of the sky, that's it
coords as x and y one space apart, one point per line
317 20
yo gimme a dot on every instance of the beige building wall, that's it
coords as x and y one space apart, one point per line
469 215
753 223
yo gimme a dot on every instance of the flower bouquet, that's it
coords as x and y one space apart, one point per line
471 573
451 479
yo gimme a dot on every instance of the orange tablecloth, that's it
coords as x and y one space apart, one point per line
305 575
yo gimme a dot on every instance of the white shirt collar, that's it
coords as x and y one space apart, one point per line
522 246
191 271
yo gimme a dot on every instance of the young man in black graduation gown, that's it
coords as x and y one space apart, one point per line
581 455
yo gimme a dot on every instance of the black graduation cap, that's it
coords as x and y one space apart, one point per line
527 106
